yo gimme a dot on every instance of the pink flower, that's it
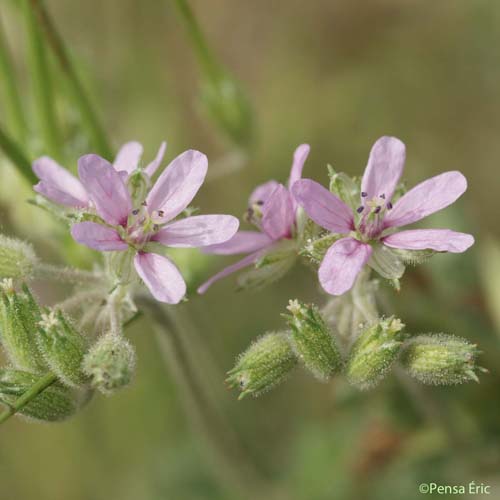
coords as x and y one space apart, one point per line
151 223
273 210
376 218
63 188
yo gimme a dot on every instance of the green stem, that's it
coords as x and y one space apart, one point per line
42 85
88 115
15 154
14 112
29 395
200 46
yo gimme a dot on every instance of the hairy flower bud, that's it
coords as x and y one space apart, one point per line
312 341
440 359
62 347
373 352
17 258
19 317
265 364
110 363
53 404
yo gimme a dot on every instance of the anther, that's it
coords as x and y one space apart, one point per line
259 202
382 196
378 209
363 194
389 205
156 227
161 213
360 209
135 212
144 203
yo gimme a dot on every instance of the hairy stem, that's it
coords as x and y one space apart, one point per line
66 274
88 115
46 381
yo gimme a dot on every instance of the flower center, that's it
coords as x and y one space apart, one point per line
372 214
141 226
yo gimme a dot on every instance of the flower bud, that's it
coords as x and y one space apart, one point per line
62 347
17 258
265 364
312 341
53 404
440 359
229 108
19 317
373 352
110 363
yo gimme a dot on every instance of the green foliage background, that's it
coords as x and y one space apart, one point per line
337 75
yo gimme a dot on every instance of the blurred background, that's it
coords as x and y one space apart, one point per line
334 74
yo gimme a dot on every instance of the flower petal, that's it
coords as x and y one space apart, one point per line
426 198
262 192
278 214
153 166
299 157
441 240
128 157
341 264
161 276
323 207
97 236
245 262
58 185
241 242
178 184
106 189
198 231
384 168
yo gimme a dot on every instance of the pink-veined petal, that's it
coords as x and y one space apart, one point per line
161 276
198 231
59 185
299 157
128 157
278 214
106 189
262 192
241 242
97 236
178 184
441 240
153 166
426 198
323 207
341 264
384 168
245 262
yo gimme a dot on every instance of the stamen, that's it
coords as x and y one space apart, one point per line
135 212
389 205
161 213
144 204
363 194
259 202
378 209
156 227
382 196
360 209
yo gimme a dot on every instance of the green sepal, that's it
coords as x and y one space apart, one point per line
373 352
386 262
264 365
312 341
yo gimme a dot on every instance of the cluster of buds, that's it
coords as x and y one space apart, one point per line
42 342
430 359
